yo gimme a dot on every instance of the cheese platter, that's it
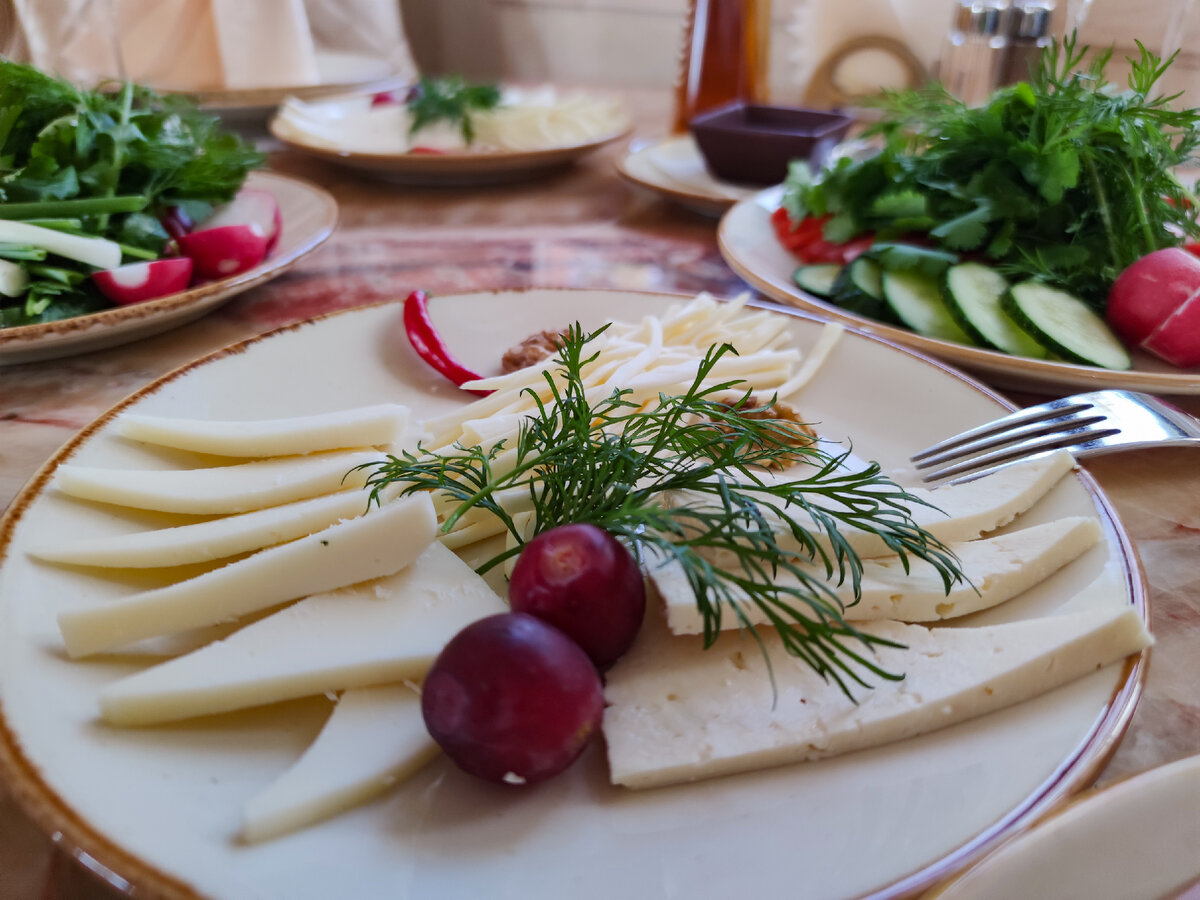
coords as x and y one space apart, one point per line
83 700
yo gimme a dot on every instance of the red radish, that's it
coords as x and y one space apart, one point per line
387 98
1153 305
144 280
228 250
1177 339
251 206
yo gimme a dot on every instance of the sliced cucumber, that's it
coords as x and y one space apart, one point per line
917 302
972 292
817 279
859 289
1065 325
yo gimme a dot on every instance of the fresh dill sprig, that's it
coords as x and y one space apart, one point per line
619 465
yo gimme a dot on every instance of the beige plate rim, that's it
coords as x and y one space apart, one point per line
121 324
450 165
271 96
745 227
135 876
697 200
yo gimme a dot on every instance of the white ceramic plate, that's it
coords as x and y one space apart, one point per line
459 168
749 245
1136 840
309 216
159 806
674 168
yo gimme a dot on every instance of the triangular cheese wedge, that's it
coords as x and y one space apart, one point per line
374 737
206 541
678 712
365 426
221 489
382 542
384 631
997 569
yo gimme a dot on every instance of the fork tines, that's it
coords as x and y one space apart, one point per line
1021 435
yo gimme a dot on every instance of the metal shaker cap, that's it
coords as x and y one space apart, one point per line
1030 21
981 16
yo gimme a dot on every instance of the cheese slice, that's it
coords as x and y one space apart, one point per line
374 737
365 426
383 631
219 490
679 713
997 569
957 512
206 541
382 542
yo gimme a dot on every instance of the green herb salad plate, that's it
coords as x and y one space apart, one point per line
158 808
749 246
309 215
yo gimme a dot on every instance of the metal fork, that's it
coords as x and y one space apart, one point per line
1086 424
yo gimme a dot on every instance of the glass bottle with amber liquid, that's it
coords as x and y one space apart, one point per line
724 56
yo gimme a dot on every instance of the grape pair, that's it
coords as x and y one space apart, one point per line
516 697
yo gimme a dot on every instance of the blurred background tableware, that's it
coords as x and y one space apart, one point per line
229 53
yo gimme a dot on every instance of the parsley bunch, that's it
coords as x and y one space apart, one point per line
615 464
103 164
1062 178
452 100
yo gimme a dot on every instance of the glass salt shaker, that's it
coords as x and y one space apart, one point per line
976 49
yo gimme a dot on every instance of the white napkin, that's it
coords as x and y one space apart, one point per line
206 45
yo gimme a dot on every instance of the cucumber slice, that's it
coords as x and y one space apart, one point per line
1064 324
917 301
859 289
972 292
817 279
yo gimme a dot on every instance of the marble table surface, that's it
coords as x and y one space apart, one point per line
582 227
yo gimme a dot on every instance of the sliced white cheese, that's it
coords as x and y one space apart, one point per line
219 490
366 426
958 512
678 712
382 542
375 737
383 631
205 541
997 570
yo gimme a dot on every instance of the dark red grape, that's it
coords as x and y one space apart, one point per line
581 579
512 699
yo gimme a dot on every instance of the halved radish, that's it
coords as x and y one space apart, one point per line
1149 291
251 206
1154 304
224 251
141 281
1177 339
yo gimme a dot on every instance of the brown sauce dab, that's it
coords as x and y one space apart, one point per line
533 349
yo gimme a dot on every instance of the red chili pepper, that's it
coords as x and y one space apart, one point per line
429 344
